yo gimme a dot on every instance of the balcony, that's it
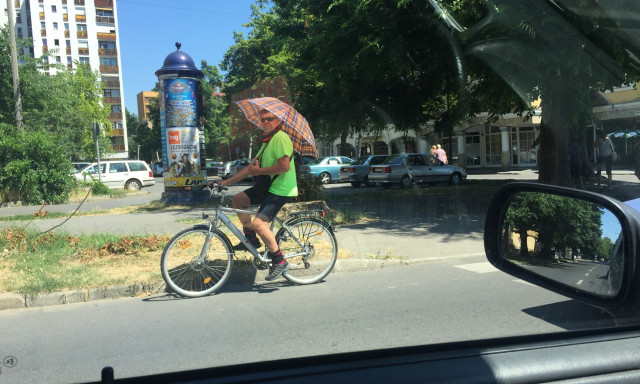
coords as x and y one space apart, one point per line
65 17
78 2
44 49
107 52
105 20
115 116
118 132
117 147
43 32
69 66
68 50
81 18
41 15
66 33
106 36
82 34
111 100
104 4
19 35
64 2
109 69
111 84
83 51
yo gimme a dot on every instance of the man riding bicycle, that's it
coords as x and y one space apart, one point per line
276 185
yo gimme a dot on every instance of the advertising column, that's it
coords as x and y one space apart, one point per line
182 137
181 134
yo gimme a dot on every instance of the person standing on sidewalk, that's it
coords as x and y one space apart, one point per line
441 154
276 186
604 151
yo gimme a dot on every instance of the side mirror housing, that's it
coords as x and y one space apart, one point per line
576 243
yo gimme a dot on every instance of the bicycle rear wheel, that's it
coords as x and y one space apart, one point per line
318 253
181 268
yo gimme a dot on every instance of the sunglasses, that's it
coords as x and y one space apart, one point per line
269 119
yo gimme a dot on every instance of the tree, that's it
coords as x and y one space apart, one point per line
575 224
522 51
214 110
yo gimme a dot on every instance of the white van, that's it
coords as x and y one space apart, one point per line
119 174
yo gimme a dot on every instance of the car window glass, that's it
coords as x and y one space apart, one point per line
377 160
117 167
333 162
135 167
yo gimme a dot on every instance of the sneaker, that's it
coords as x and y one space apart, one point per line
241 247
277 271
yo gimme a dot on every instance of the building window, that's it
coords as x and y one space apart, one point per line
107 44
58 60
43 25
82 27
115 108
44 42
111 93
66 26
54 9
56 42
108 61
84 60
68 42
80 11
55 26
69 60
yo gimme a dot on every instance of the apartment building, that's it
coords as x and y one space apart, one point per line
144 99
80 31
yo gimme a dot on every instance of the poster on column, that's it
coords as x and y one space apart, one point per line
181 134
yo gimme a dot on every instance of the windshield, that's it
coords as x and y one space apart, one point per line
532 90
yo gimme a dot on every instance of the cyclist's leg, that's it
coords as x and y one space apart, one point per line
243 201
266 213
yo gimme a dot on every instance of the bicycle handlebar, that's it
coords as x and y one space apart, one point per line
216 188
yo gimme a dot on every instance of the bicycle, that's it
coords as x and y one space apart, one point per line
197 261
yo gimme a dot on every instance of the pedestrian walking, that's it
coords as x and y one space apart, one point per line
604 153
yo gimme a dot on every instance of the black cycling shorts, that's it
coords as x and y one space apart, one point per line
270 204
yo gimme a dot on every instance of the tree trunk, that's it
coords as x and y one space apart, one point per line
553 156
343 142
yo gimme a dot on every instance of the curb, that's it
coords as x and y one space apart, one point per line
246 275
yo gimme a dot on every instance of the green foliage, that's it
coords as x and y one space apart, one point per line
309 189
36 168
575 224
98 188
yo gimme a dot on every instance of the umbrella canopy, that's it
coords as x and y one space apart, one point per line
294 124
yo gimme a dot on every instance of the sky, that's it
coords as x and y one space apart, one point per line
149 30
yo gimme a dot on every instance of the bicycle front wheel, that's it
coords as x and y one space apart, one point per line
185 272
315 259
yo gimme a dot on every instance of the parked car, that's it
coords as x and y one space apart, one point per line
79 166
325 168
357 173
230 168
119 174
212 167
224 170
415 168
157 168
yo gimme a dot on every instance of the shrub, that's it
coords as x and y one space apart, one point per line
36 169
99 188
309 189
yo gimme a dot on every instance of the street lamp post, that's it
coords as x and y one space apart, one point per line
138 151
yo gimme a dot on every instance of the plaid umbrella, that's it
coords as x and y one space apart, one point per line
294 124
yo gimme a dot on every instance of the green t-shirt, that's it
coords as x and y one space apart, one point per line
280 145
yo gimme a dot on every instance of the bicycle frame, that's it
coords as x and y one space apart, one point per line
222 217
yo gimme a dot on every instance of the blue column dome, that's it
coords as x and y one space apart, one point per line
179 64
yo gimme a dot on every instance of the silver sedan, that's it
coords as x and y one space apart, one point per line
415 168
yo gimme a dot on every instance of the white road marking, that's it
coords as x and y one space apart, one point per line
579 282
483 267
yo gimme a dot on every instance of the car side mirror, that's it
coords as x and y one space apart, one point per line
576 243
